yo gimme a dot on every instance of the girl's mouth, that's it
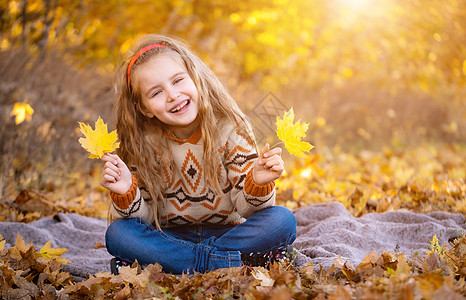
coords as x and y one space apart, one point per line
180 107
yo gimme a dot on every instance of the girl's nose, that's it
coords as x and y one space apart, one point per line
172 94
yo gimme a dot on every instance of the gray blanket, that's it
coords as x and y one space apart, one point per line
74 232
325 232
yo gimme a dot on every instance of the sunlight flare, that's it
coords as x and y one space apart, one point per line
355 5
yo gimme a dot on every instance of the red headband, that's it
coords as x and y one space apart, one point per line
136 56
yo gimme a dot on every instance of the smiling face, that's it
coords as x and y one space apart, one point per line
169 94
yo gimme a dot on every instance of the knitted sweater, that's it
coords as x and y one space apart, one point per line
188 199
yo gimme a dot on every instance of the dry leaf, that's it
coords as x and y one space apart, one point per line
32 201
291 134
98 141
2 242
349 271
53 253
99 245
21 246
22 111
429 283
435 246
263 277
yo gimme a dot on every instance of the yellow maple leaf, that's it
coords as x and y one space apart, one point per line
291 134
22 111
98 141
53 253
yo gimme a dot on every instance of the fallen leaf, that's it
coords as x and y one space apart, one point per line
263 277
2 242
99 245
340 294
22 111
98 141
53 253
24 289
291 134
20 245
429 283
435 247
32 201
349 271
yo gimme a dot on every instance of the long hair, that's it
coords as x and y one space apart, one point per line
144 144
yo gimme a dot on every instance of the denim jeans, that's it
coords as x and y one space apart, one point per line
200 248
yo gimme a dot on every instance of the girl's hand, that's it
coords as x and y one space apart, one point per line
269 166
115 174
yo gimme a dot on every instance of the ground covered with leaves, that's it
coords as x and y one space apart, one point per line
420 179
28 274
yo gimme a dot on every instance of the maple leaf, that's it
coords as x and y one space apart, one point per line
21 246
22 111
98 141
291 134
53 253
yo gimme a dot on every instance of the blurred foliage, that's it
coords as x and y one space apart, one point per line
421 179
364 74
410 44
387 70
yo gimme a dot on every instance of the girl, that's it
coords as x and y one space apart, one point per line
189 190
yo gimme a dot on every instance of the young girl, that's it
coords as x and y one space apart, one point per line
189 189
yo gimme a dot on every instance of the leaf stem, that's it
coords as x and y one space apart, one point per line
276 144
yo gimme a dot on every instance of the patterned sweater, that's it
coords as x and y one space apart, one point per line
188 199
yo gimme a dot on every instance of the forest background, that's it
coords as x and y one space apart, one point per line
382 84
366 75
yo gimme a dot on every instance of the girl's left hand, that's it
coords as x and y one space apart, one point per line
269 166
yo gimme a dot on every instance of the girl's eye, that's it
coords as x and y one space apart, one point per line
156 93
177 80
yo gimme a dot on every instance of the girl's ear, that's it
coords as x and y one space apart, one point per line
144 111
147 113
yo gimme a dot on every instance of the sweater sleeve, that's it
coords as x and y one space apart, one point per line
246 195
132 204
254 189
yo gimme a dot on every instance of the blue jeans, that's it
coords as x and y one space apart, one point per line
200 247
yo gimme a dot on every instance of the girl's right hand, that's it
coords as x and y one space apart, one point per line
115 174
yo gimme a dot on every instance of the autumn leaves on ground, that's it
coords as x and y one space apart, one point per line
382 86
423 179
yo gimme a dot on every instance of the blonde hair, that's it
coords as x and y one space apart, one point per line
144 145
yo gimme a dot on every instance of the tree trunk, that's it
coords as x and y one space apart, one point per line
50 8
23 23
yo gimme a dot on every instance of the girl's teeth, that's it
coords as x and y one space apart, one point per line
180 107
